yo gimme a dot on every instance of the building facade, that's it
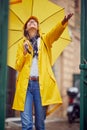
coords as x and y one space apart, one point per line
66 68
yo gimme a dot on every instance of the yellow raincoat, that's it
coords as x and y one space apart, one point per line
48 87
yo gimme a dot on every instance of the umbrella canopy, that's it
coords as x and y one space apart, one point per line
48 15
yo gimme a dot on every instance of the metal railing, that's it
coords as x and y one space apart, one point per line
3 57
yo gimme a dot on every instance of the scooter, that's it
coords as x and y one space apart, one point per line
73 110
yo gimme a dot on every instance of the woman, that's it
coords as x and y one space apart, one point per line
36 84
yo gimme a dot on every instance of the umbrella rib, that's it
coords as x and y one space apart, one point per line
32 7
15 30
15 42
17 16
51 15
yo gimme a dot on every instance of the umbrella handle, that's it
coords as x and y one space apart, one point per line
26 47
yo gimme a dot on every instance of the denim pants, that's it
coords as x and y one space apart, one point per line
33 98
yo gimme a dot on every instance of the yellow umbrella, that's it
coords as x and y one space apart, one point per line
47 13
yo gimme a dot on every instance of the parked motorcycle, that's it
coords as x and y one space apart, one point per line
73 110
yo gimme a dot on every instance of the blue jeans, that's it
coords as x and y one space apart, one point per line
33 98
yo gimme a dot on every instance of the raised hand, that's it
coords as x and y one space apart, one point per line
66 18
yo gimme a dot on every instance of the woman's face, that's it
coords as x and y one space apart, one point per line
32 24
32 28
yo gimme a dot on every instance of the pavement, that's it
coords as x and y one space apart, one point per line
62 126
50 125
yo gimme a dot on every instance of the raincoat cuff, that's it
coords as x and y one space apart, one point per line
64 24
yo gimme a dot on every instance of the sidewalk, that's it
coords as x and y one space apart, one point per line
50 125
62 126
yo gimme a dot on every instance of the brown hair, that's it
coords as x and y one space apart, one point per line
25 25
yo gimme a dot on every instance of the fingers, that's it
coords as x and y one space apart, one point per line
69 16
26 47
25 44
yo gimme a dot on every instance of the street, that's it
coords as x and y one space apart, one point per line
62 126
57 125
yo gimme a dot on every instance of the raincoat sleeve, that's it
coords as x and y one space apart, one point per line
20 58
54 34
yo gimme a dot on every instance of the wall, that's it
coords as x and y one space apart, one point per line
68 63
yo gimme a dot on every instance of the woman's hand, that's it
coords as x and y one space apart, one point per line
26 47
66 18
